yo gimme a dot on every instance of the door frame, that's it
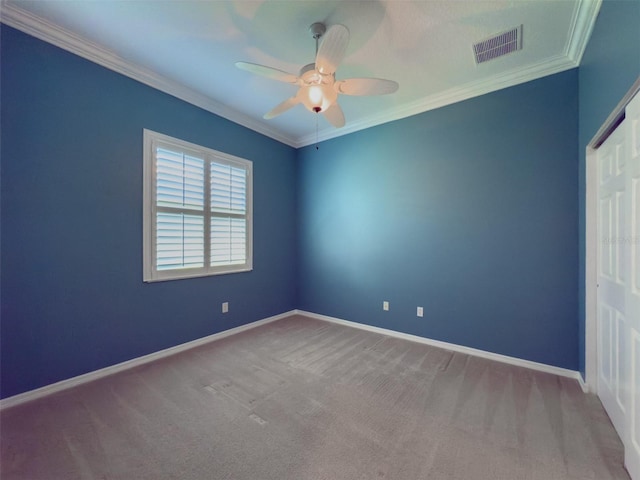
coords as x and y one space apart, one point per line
591 238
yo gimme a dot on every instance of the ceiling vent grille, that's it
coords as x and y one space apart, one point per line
498 45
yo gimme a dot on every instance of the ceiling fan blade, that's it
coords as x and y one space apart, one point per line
272 73
282 107
366 86
334 115
332 49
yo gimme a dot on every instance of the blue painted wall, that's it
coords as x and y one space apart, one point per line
609 67
469 210
73 299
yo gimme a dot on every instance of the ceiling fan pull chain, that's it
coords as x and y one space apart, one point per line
316 129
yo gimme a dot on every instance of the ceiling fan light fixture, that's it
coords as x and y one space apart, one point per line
318 89
317 97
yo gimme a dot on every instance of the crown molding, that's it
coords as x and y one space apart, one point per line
62 38
511 78
582 25
583 22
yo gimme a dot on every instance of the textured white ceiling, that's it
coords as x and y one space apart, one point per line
188 49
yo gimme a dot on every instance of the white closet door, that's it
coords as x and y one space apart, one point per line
632 441
612 274
619 282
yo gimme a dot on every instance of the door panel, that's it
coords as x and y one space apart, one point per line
620 249
635 229
605 224
634 434
604 335
621 368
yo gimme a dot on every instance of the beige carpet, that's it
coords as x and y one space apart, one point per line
303 399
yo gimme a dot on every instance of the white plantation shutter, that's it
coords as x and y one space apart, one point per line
180 180
179 188
228 241
197 213
228 214
179 241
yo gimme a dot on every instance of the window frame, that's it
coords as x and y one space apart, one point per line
151 140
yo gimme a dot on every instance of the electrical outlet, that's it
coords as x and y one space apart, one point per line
420 312
225 307
385 306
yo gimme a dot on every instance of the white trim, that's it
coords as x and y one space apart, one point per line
519 362
583 385
129 364
49 32
135 362
449 97
151 141
606 128
591 271
582 24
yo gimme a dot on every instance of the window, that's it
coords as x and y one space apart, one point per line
197 210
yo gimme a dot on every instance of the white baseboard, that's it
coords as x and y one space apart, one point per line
119 367
583 384
541 367
103 372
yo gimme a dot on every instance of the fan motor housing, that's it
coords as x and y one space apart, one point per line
307 68
317 30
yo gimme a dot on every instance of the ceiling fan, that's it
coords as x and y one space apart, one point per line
319 88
